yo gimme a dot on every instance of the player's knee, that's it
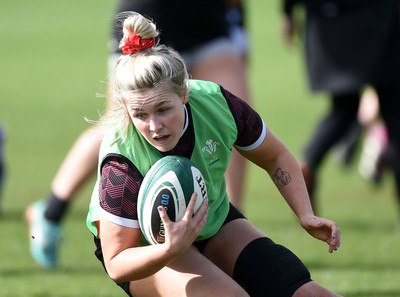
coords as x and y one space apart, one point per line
267 269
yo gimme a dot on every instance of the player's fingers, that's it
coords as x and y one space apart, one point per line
202 213
190 208
333 245
334 241
335 232
203 207
163 214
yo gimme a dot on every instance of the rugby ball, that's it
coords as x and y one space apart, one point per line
170 182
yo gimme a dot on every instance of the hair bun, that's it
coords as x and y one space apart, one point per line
134 43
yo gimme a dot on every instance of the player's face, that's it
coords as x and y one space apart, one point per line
160 118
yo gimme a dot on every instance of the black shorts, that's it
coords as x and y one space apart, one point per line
181 23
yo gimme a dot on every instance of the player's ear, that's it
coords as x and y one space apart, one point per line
185 99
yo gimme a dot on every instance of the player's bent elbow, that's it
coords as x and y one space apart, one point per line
116 277
115 273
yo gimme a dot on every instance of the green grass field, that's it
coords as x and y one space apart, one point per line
53 62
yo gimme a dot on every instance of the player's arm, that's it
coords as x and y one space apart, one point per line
273 156
119 227
283 169
124 258
259 145
264 149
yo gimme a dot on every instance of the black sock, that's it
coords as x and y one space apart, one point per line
56 208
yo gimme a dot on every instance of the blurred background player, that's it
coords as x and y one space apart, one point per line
2 161
210 53
349 44
374 149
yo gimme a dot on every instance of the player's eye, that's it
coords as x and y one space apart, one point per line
141 115
163 109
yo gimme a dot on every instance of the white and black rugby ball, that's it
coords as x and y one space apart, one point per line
170 182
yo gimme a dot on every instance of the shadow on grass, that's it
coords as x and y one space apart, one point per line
15 215
359 226
374 293
364 266
12 215
39 272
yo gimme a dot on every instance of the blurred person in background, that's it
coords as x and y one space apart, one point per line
349 44
211 53
374 150
2 161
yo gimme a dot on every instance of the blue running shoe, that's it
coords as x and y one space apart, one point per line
45 236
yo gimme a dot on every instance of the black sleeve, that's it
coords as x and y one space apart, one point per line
119 187
248 121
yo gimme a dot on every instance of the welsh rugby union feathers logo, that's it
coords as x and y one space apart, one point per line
211 149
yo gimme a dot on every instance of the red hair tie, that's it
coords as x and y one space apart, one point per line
134 43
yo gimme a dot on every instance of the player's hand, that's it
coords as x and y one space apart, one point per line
180 235
322 229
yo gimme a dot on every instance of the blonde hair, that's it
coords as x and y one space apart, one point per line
139 74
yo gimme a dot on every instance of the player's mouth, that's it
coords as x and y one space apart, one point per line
160 139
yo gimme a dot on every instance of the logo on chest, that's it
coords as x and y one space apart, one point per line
211 150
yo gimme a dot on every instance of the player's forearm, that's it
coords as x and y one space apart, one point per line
290 182
138 263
